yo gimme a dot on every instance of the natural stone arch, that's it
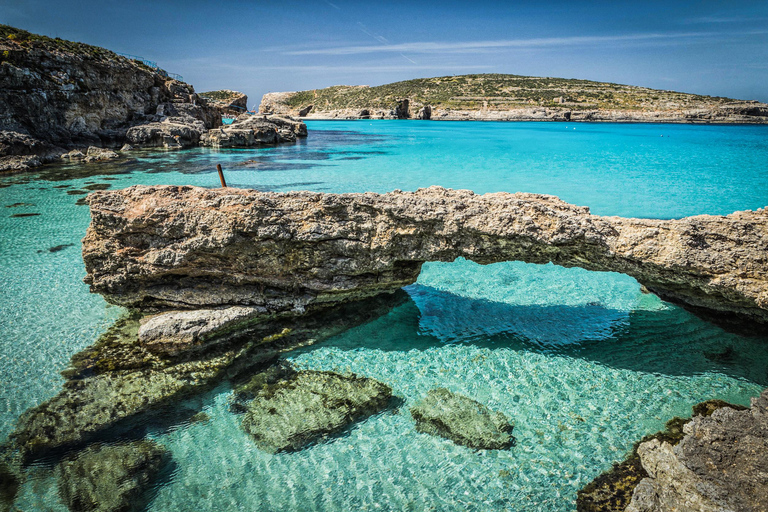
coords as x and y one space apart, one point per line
182 248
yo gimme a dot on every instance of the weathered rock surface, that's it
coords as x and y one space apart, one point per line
462 420
720 465
192 248
228 102
95 154
110 478
255 130
121 379
292 413
58 94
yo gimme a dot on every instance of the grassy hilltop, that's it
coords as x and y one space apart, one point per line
501 92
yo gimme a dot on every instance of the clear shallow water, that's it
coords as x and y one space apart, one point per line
583 362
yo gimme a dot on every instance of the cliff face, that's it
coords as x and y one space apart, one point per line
192 248
229 102
496 97
58 94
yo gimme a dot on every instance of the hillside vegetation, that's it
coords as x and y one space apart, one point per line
501 92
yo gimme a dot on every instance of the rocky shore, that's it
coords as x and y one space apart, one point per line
712 462
60 98
735 113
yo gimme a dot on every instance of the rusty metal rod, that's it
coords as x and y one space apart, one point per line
221 176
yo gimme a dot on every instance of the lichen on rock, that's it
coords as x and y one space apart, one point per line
462 420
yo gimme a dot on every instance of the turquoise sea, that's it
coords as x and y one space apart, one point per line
582 362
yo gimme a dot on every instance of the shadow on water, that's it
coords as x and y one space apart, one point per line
668 341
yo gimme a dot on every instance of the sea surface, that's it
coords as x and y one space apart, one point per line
582 362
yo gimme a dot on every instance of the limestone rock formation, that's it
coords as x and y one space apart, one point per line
462 420
228 102
294 412
58 94
95 154
720 465
122 379
255 130
191 248
110 478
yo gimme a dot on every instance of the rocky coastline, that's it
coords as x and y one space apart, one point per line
63 98
736 113
497 97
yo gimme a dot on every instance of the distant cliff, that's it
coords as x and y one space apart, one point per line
57 94
512 98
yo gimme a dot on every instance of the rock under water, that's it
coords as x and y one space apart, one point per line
110 478
462 420
308 405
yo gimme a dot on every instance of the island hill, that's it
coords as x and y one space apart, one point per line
497 97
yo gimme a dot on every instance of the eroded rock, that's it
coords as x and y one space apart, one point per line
119 382
462 420
95 154
309 405
720 464
110 478
255 130
192 248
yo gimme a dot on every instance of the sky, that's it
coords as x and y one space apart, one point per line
719 48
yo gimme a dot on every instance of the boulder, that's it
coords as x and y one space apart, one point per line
168 133
95 154
75 154
306 110
462 420
255 130
425 113
291 413
110 478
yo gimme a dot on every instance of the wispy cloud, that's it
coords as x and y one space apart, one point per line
476 46
726 19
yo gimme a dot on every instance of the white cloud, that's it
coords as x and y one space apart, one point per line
476 46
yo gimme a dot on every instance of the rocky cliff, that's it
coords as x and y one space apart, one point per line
496 97
58 95
192 248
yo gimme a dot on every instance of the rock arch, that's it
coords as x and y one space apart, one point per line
187 248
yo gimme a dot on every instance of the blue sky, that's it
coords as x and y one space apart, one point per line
705 47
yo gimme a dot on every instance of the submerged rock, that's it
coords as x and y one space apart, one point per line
193 248
110 478
292 413
612 490
118 382
462 420
10 481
